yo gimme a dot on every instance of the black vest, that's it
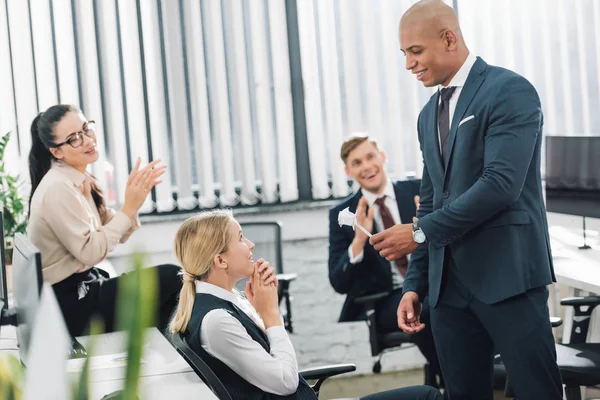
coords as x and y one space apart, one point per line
237 386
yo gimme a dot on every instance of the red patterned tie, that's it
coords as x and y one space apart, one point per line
388 222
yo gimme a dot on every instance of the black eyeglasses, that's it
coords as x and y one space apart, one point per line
75 139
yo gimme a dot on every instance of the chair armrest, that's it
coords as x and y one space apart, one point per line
556 322
371 298
583 308
580 301
327 371
286 277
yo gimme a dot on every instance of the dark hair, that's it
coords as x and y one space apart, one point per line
40 157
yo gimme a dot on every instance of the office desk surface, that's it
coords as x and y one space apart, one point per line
108 360
573 267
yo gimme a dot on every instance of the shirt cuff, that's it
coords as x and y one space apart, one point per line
121 222
358 258
276 332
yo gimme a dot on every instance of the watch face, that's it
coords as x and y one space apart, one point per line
419 236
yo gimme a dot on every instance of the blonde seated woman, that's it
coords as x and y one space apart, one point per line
242 340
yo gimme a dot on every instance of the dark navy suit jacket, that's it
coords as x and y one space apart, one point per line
485 202
373 274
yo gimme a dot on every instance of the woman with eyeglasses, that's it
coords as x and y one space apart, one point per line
73 228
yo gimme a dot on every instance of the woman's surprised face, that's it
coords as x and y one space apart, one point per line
238 256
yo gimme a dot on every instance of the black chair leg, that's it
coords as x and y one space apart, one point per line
288 307
573 393
377 365
431 378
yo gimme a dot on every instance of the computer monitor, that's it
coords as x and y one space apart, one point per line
3 285
27 286
573 175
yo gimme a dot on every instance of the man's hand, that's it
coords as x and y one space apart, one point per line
364 219
409 312
395 242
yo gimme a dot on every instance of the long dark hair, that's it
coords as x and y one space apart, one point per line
40 157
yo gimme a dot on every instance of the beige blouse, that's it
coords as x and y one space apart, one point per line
66 227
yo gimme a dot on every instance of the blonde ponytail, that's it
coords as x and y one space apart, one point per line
182 316
198 240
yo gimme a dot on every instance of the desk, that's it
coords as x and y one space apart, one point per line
576 268
175 379
164 373
171 386
107 364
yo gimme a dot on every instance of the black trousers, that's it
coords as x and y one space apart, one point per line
407 393
101 298
386 311
468 332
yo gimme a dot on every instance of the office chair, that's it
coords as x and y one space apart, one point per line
578 361
266 237
202 369
387 342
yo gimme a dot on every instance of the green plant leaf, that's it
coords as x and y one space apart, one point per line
136 312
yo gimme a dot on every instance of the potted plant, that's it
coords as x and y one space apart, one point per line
12 205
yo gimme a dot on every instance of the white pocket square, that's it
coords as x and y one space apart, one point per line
470 117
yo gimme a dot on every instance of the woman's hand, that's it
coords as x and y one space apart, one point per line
267 275
263 296
139 184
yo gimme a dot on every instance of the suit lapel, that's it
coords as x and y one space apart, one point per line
474 81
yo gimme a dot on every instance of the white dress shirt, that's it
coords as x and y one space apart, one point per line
225 338
458 81
391 203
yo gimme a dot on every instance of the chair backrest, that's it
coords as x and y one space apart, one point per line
200 367
266 237
27 287
3 285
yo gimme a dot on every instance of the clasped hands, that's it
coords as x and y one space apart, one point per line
261 292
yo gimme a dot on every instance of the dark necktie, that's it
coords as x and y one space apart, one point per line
444 119
388 222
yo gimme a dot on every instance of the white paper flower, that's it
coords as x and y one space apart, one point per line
347 217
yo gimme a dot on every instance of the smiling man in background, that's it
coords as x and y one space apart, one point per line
355 268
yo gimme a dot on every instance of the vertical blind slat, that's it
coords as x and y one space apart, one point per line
282 87
567 87
114 119
65 52
550 103
350 61
24 77
394 127
331 91
155 95
43 50
262 93
8 121
91 97
312 99
199 106
240 97
133 87
180 127
220 100
583 71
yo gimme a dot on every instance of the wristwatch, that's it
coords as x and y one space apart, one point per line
418 234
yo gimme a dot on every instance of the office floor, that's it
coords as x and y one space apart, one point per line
360 385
